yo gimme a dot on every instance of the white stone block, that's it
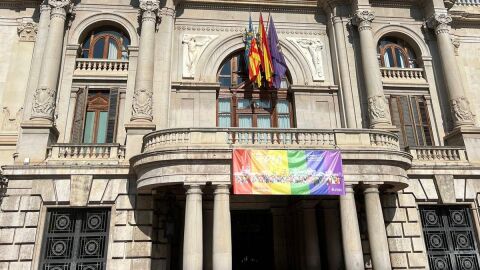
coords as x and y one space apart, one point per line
62 187
122 264
416 189
139 250
114 188
20 266
12 219
398 260
412 214
394 229
144 203
9 252
412 229
30 203
31 219
142 233
10 203
80 189
399 244
45 189
123 233
121 217
118 250
460 189
141 264
406 200
418 244
417 260
429 188
125 202
98 189
26 252
395 214
25 235
6 236
141 217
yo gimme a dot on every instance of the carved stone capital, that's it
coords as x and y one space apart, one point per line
142 105
377 109
167 12
363 19
27 31
462 114
440 23
149 10
60 8
45 8
43 103
449 3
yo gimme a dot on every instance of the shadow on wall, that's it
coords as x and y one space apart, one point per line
3 186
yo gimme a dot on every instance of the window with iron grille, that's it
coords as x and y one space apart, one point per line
75 239
450 238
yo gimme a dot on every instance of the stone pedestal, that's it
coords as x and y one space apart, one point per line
352 243
36 137
222 231
377 235
468 137
193 235
135 133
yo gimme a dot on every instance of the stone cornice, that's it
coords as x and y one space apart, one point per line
19 4
305 6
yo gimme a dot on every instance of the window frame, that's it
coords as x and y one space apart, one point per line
105 33
406 51
97 109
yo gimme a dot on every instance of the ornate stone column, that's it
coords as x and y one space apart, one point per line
352 243
193 235
40 44
142 97
379 114
43 106
377 235
222 235
461 112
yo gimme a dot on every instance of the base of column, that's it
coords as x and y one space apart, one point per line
468 137
36 134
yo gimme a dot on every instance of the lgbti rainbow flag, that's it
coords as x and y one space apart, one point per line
288 172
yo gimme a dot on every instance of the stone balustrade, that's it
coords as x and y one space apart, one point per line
269 138
403 74
468 2
86 153
101 67
438 154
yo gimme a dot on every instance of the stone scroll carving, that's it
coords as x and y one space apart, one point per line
142 105
43 103
27 31
312 49
193 47
461 110
377 109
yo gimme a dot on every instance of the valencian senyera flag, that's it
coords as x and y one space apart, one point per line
254 63
288 172
278 60
266 65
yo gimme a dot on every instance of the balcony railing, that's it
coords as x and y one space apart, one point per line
415 75
468 2
101 67
268 138
438 154
86 152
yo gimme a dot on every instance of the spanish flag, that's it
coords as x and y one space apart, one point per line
254 63
266 59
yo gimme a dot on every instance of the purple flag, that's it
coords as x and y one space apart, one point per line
278 61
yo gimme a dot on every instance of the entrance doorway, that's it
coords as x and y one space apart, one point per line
252 239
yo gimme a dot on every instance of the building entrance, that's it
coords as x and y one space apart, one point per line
252 240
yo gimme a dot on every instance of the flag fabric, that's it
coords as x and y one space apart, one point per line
254 63
249 35
266 60
278 60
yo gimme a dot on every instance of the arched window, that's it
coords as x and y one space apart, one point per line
241 104
106 43
396 53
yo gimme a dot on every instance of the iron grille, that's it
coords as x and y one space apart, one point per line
75 239
450 238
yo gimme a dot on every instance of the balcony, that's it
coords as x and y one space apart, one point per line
408 76
438 155
101 68
111 154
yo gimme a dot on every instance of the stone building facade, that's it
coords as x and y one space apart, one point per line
119 118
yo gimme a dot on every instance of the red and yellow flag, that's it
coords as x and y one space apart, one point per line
254 63
265 56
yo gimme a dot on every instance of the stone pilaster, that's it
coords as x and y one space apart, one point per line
43 106
460 107
222 235
377 235
352 243
378 112
193 235
142 104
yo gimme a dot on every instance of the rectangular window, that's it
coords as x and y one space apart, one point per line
450 237
75 239
410 115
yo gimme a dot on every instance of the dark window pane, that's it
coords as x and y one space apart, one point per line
99 48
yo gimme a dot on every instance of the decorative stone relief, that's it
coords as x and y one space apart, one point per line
11 122
193 47
312 49
363 19
377 108
60 7
43 103
440 22
27 31
149 9
142 104
461 110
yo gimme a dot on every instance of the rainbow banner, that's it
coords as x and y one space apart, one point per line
288 172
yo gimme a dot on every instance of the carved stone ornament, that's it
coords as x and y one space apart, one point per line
60 7
142 104
461 110
149 9
43 103
11 122
440 22
193 47
363 19
27 31
312 49
377 108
